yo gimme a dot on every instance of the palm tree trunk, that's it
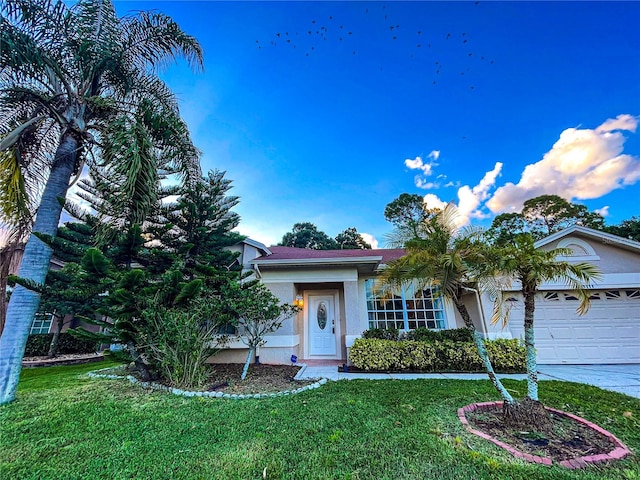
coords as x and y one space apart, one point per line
529 413
529 342
35 264
482 351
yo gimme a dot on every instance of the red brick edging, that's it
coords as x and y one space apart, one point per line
619 452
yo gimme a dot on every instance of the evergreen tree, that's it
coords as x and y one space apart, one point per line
351 239
307 235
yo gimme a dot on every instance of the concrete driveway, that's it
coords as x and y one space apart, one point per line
618 378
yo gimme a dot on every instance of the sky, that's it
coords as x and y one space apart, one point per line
325 112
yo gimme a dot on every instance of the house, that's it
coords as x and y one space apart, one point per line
336 291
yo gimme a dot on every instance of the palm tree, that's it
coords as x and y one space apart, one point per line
80 85
522 262
440 255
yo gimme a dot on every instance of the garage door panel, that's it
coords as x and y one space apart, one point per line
559 333
608 333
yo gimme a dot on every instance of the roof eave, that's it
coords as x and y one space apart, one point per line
590 232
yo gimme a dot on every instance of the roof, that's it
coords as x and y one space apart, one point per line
299 257
254 243
603 237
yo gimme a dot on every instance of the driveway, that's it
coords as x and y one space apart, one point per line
618 378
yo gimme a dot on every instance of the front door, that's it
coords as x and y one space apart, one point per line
322 325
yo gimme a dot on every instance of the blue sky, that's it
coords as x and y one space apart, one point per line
330 126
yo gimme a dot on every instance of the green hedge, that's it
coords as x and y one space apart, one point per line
38 345
425 335
439 356
420 334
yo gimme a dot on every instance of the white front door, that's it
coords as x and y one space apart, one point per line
322 325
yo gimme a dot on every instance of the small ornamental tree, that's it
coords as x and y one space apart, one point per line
259 313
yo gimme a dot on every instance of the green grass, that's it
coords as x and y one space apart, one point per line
65 425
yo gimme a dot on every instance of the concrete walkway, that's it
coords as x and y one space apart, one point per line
618 378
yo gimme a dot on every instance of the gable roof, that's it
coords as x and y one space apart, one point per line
603 237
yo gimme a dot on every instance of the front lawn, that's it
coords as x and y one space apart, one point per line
65 425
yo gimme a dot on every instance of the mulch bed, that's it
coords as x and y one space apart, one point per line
260 379
568 439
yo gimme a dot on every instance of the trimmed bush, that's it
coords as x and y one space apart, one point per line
425 335
38 345
381 333
373 354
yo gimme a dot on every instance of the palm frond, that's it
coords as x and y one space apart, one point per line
152 39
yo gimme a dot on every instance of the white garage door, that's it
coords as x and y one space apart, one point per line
608 333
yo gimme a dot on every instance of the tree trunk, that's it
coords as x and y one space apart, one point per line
141 367
10 258
529 414
35 264
53 346
482 351
245 370
530 344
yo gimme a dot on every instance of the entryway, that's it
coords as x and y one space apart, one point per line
322 324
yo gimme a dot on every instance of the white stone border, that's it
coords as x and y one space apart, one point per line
187 393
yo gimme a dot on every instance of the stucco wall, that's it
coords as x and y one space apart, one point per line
286 293
612 259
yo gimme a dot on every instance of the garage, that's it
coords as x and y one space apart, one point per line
608 333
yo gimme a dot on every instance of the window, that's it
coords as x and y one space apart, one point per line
408 309
41 323
571 298
552 297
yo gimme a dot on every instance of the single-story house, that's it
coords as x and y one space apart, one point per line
339 302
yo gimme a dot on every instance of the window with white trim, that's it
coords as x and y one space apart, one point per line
407 309
41 323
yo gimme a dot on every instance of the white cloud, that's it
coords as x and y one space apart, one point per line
420 183
582 164
418 164
470 199
604 211
452 184
370 239
432 201
621 122
426 169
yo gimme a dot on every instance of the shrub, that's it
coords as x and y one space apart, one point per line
178 343
425 335
38 345
438 356
381 333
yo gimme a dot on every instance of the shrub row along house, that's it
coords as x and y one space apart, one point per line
336 289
